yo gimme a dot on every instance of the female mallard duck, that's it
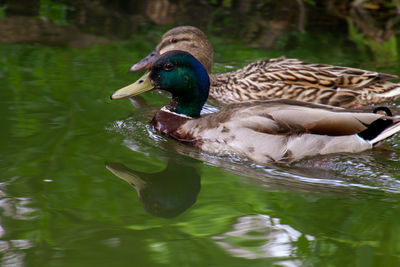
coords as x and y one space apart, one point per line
279 77
264 131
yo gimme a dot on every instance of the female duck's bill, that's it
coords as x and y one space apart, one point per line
146 62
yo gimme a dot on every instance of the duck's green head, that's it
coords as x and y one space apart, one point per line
179 73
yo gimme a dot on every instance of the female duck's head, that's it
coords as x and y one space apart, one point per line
183 38
179 73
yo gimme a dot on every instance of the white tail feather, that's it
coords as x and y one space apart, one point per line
388 132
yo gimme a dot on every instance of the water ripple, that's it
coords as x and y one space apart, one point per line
271 239
377 169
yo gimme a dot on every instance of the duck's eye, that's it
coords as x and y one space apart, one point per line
174 40
168 66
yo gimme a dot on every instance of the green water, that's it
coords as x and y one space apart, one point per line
60 205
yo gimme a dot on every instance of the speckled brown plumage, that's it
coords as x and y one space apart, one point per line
295 79
280 77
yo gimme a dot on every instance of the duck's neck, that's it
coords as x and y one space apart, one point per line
189 85
189 99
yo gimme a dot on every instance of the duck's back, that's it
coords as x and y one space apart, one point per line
278 130
295 79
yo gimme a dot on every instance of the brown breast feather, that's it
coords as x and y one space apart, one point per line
168 123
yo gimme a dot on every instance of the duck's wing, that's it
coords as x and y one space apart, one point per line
288 117
283 117
285 130
299 72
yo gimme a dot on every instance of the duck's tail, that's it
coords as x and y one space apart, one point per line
388 132
393 92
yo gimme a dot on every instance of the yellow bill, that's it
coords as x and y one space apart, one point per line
140 86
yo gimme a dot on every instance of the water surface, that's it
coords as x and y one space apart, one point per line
67 152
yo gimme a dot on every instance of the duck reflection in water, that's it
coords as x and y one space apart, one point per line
163 194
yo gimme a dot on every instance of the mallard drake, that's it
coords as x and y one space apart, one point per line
279 77
282 130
